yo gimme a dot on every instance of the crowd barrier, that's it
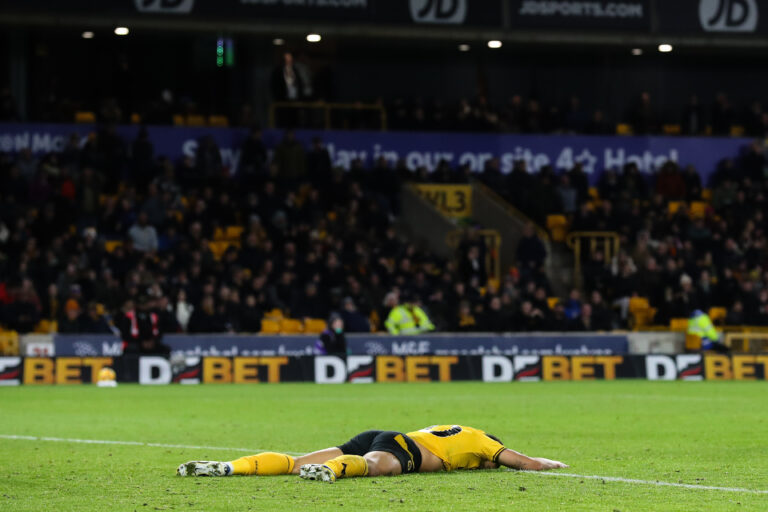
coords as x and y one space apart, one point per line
15 371
511 344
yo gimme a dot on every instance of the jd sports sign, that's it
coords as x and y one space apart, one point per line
728 15
439 11
165 6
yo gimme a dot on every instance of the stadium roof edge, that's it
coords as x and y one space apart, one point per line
353 30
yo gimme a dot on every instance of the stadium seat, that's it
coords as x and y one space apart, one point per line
291 326
674 206
737 131
717 314
314 325
195 120
218 234
135 118
218 121
624 129
557 226
9 343
269 326
43 327
218 248
552 302
638 304
233 233
178 120
678 324
111 245
672 129
274 314
692 342
594 193
706 194
698 209
85 117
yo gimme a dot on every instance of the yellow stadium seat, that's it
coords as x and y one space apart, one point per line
274 314
135 118
678 324
692 342
9 343
624 129
706 194
291 326
674 206
717 314
314 325
111 245
233 232
218 121
672 129
698 209
638 304
195 120
269 326
737 131
552 302
594 193
43 327
218 248
557 226
178 120
85 117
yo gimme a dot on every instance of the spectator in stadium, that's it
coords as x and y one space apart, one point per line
206 319
332 339
143 235
70 322
530 251
408 318
93 321
287 82
354 321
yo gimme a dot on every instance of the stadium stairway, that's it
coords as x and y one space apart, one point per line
492 211
421 220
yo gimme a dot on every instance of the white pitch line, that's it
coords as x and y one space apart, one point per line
649 482
131 443
256 450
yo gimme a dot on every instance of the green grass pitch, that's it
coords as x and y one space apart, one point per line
701 433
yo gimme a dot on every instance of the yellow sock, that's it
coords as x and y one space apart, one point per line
346 466
267 463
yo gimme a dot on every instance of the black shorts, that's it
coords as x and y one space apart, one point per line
386 441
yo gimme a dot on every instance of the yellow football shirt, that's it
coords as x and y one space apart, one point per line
457 446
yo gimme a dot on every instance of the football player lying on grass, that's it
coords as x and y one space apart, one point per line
383 453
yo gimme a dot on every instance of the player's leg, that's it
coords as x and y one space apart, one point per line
261 464
389 453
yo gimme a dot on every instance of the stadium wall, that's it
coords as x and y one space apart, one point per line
152 370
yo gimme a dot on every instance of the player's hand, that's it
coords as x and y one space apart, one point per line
550 464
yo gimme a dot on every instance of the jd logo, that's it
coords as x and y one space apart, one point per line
728 15
165 6
439 11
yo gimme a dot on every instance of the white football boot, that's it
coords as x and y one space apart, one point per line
203 468
319 472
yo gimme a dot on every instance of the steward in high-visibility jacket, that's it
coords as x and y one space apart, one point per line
699 324
408 318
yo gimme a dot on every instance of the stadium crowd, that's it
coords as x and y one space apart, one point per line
97 235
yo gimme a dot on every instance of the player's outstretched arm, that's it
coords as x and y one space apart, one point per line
515 460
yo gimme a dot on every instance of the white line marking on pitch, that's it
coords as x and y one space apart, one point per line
255 450
648 482
131 443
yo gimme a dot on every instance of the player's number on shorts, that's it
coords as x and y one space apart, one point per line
445 433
